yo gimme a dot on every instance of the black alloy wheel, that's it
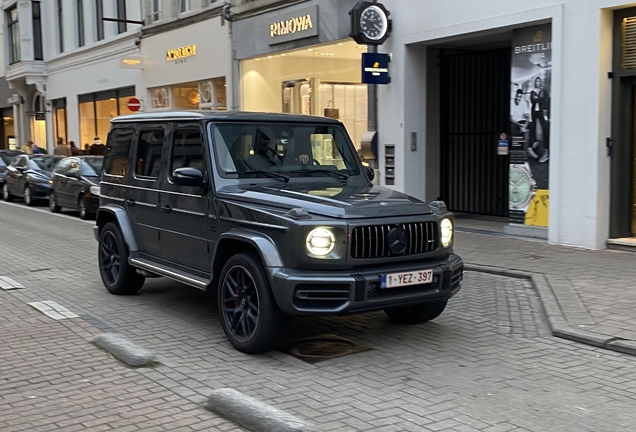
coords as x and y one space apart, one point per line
117 275
417 314
5 193
53 203
249 315
28 196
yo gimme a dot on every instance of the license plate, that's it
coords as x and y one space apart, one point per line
394 280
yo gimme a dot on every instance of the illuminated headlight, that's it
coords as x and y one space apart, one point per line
446 231
320 241
95 190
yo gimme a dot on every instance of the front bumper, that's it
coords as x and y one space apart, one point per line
302 292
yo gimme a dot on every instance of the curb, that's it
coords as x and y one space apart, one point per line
124 350
558 324
253 414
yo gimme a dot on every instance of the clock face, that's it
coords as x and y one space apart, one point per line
373 23
520 188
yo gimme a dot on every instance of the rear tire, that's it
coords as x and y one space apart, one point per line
28 196
417 314
53 203
117 275
250 318
5 193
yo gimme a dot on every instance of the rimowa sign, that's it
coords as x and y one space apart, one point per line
290 26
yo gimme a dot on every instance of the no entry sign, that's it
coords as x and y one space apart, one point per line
133 104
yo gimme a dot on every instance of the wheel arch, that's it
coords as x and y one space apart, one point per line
114 213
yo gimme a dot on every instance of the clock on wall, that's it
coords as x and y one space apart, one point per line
370 23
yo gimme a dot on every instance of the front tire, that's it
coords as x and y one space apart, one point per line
5 193
417 314
249 315
53 203
117 275
28 196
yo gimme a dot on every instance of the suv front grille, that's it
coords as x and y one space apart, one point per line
371 242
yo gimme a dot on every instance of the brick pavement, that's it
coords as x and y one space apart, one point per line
487 364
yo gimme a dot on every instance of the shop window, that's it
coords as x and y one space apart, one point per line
116 159
59 119
185 96
80 23
99 19
97 109
160 98
105 111
149 153
212 94
38 53
14 34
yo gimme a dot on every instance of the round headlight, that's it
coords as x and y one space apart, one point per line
446 231
320 242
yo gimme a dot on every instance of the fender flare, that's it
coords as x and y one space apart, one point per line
264 245
109 211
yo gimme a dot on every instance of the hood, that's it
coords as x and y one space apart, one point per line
338 202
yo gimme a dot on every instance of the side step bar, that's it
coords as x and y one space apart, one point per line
168 272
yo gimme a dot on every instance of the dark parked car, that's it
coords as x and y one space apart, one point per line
6 156
29 177
274 212
75 185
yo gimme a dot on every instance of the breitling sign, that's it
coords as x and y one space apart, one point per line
181 53
294 25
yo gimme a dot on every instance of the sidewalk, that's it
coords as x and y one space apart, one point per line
594 291
52 378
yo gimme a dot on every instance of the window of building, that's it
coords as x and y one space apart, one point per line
60 25
149 153
99 19
184 6
97 109
80 23
155 10
59 119
116 158
121 14
14 35
38 53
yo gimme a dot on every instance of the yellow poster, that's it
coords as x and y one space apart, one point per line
537 214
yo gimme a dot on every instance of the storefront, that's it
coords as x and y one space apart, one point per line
300 59
187 68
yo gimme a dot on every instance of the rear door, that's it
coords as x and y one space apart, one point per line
72 184
184 209
59 179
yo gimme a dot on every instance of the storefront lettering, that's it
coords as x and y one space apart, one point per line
546 46
291 26
131 62
180 53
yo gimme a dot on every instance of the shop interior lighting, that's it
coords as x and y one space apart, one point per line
310 49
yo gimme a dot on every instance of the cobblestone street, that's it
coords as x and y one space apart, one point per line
488 363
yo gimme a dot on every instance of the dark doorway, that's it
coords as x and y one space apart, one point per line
474 111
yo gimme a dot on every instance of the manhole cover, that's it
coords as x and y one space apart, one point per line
322 347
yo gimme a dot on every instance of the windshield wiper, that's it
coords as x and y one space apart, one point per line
262 172
326 171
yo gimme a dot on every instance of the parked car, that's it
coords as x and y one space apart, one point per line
75 185
28 177
274 212
6 156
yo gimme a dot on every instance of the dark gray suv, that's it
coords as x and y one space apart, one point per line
274 212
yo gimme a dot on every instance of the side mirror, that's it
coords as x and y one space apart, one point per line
370 173
187 176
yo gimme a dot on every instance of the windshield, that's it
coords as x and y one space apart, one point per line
293 150
44 163
92 166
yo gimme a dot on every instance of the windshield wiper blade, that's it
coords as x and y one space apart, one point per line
326 171
262 172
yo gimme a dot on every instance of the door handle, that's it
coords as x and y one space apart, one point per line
166 209
130 202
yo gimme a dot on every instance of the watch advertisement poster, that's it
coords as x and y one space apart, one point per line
531 73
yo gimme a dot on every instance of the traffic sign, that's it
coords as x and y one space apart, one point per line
133 104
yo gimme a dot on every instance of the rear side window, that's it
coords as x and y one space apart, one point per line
117 150
148 158
187 150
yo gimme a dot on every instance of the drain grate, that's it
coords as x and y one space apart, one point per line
322 347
